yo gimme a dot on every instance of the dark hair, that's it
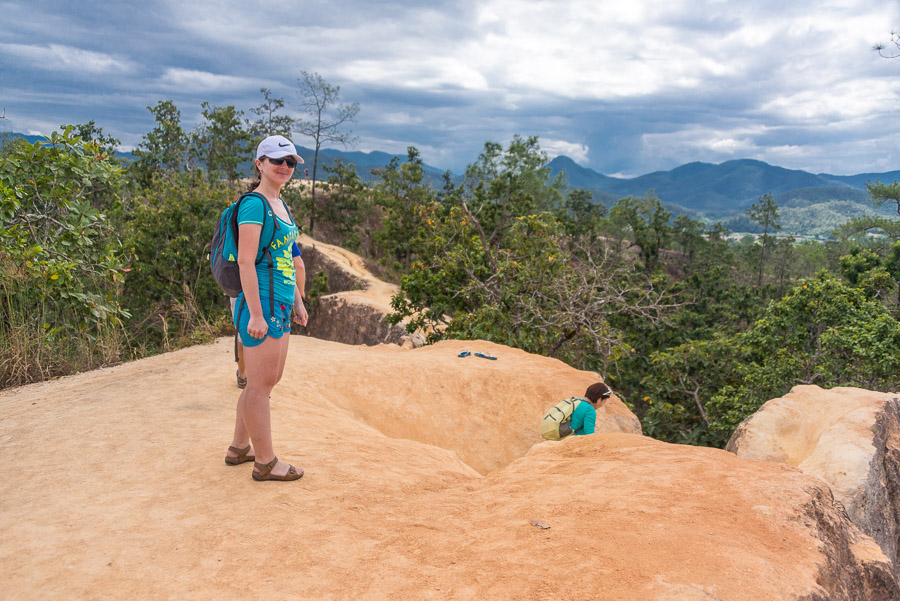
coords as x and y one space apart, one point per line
597 391
256 182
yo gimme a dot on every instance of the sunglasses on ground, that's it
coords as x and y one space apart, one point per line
290 162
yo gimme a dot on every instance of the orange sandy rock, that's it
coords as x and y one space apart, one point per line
114 486
848 437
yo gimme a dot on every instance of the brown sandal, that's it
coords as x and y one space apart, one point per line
265 472
242 456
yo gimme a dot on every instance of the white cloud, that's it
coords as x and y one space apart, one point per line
644 84
191 80
399 118
416 73
575 151
56 57
846 100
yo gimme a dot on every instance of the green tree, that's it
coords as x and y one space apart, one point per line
678 384
222 142
323 118
169 288
765 214
648 225
402 192
61 264
268 122
857 263
347 203
164 149
881 194
688 235
859 227
892 265
91 132
822 332
495 263
580 215
783 255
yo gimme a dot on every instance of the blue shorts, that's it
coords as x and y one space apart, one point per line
278 323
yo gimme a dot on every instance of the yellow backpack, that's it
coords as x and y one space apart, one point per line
556 424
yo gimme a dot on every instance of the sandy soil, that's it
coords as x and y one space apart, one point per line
423 474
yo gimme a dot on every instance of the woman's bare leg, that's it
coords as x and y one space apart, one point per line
242 366
241 436
265 364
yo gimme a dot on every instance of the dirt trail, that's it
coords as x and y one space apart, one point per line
377 293
115 487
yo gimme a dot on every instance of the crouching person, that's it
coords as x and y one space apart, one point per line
576 416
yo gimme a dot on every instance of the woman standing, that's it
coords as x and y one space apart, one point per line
264 307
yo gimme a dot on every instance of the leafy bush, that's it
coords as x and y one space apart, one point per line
822 332
62 264
170 288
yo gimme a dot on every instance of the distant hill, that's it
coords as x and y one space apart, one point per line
365 162
811 204
724 188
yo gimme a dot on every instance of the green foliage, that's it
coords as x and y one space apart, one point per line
168 229
765 214
318 286
504 185
647 223
882 194
859 262
822 332
346 206
221 142
581 216
403 194
61 264
268 122
813 327
165 148
91 132
483 270
678 383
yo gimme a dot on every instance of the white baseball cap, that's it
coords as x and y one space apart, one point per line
276 147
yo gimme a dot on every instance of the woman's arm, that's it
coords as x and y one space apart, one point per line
301 316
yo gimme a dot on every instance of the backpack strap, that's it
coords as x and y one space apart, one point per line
237 328
266 252
574 406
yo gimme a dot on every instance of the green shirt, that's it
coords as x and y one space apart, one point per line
254 209
583 419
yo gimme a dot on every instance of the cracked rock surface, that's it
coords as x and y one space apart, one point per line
848 437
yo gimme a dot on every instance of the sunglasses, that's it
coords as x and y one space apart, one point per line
290 162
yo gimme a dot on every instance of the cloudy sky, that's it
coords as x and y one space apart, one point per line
624 87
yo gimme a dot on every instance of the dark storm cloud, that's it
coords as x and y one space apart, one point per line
622 88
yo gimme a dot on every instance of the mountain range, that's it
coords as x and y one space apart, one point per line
810 203
726 187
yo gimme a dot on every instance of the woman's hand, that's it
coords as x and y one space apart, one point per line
257 326
300 314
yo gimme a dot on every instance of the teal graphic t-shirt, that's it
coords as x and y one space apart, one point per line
253 209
